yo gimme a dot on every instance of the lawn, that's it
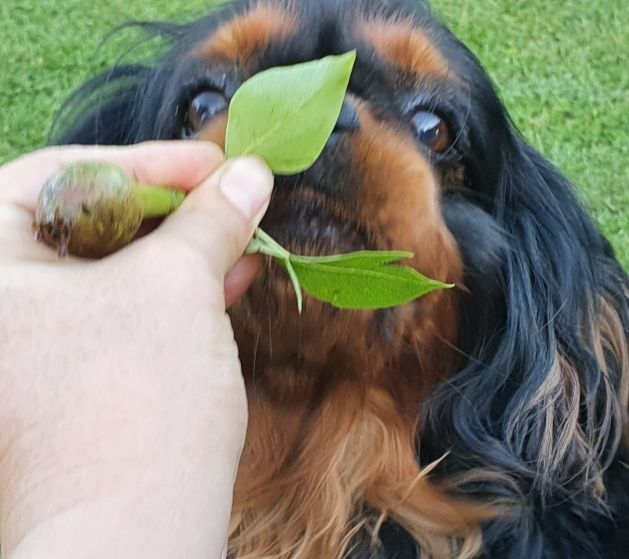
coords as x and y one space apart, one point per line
559 67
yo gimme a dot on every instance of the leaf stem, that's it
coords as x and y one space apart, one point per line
264 243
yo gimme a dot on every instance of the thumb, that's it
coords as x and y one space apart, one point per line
219 217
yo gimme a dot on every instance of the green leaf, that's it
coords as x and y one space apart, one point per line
363 286
286 115
360 259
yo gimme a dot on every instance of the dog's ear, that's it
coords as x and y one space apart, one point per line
104 110
119 106
541 400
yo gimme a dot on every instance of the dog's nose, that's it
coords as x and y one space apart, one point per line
348 119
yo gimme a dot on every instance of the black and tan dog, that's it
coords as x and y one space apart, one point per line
490 420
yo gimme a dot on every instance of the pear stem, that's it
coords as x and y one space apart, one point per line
158 201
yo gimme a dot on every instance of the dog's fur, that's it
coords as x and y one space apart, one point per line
511 391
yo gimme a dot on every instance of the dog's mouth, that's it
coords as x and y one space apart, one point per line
313 226
306 224
305 227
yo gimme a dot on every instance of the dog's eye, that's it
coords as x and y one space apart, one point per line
203 108
432 131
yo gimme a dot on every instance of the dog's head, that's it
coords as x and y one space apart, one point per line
521 369
415 135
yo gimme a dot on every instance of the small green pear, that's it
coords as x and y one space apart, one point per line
89 210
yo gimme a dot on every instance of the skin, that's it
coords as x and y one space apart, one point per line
122 405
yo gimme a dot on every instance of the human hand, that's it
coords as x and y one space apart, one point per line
122 406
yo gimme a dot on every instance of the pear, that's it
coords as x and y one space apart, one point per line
93 209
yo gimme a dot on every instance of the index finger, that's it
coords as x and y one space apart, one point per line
177 164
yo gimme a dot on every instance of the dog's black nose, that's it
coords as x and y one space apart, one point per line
348 119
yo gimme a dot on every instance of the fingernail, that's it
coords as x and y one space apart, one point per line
247 183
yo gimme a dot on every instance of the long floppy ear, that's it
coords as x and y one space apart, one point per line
125 105
540 404
103 110
119 106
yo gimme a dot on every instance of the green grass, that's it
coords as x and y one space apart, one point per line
558 65
561 70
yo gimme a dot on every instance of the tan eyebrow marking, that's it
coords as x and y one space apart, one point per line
406 47
242 37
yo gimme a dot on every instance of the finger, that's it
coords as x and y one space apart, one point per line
240 277
218 218
176 164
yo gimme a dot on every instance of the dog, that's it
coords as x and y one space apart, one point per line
490 420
